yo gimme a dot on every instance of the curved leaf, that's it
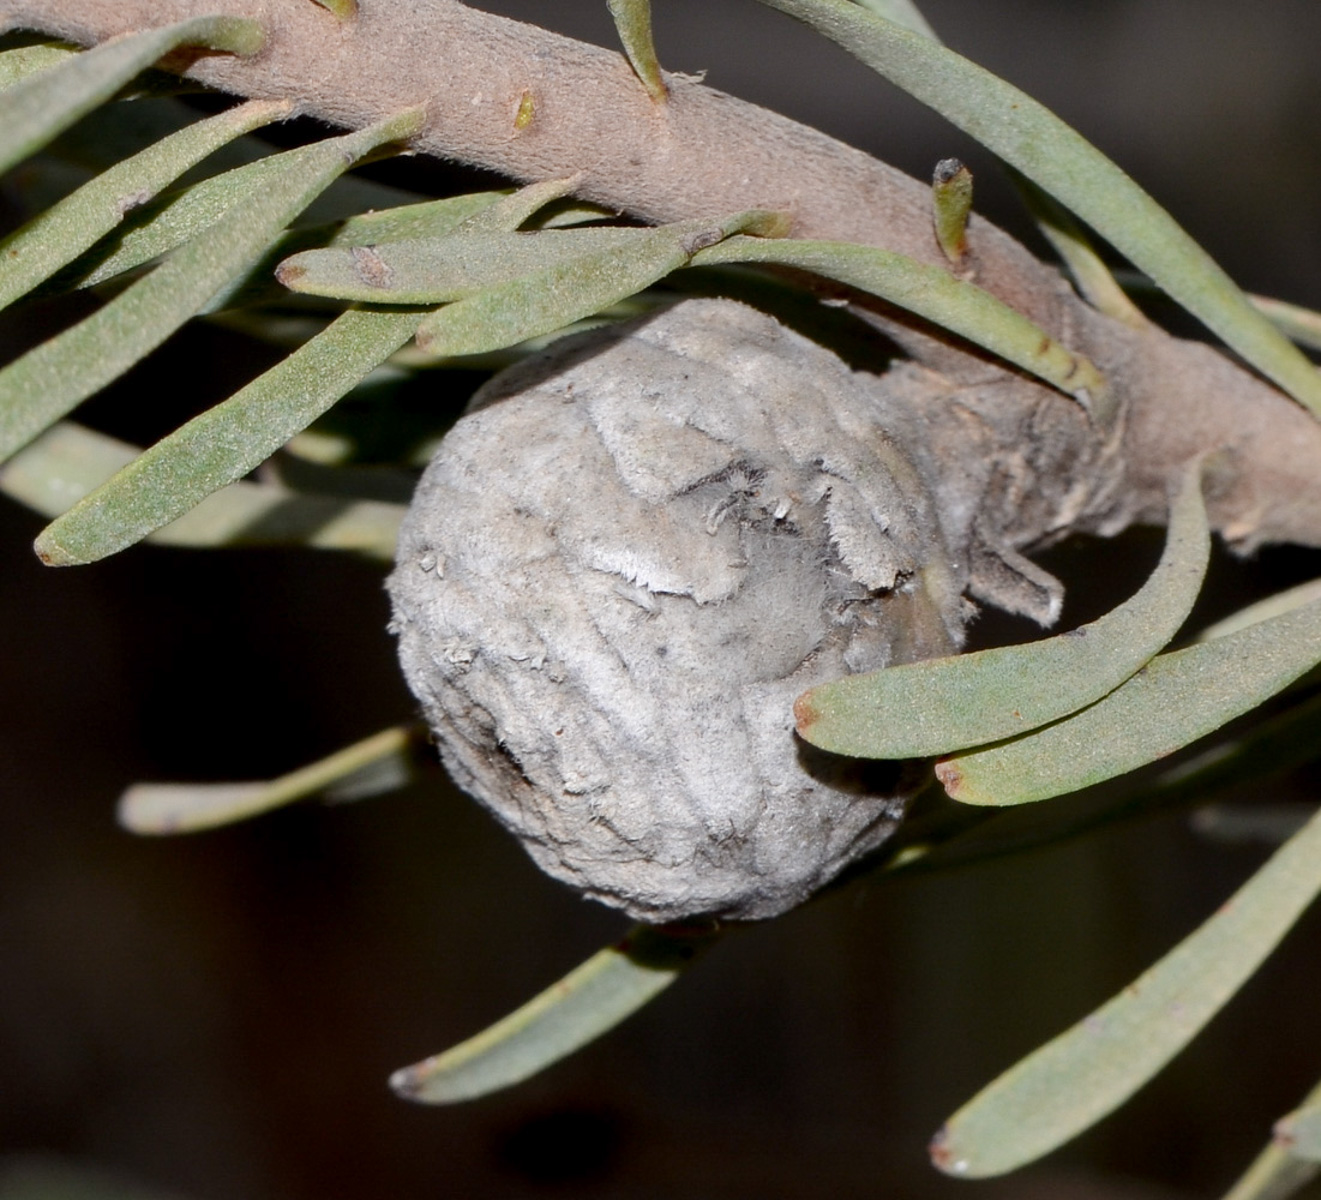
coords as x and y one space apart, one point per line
227 441
933 293
1064 164
568 288
47 382
926 708
56 237
37 108
633 23
68 461
586 1003
1176 699
1073 1081
23 61
375 764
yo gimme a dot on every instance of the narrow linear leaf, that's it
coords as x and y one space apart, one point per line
454 267
927 708
37 108
56 237
433 218
224 443
1093 279
48 381
933 293
633 22
1267 750
18 64
1275 1174
586 1003
1176 699
568 290
1059 160
166 808
1262 610
68 461
1073 1081
1301 325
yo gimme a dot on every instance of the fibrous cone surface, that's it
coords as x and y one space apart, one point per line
623 566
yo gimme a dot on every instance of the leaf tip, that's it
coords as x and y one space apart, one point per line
409 1083
950 775
944 1157
291 273
52 553
806 713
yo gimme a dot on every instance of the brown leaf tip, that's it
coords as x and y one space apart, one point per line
943 1157
806 713
950 776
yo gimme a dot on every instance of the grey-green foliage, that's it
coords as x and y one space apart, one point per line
458 275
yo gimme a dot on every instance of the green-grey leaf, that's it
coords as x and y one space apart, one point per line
226 442
437 270
164 808
1058 159
1275 1174
68 461
934 293
508 213
18 64
1301 325
1262 610
586 1003
1093 279
927 708
47 382
1176 699
343 9
1079 1077
901 12
633 22
1301 1132
566 288
37 108
57 236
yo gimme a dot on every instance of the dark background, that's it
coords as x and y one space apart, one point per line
215 1016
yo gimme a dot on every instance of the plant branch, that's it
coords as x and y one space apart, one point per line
534 106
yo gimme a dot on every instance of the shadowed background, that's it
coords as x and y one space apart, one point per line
215 1016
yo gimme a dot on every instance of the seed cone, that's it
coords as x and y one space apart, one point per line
623 566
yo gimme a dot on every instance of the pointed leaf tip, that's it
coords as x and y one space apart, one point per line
589 1001
1085 1073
